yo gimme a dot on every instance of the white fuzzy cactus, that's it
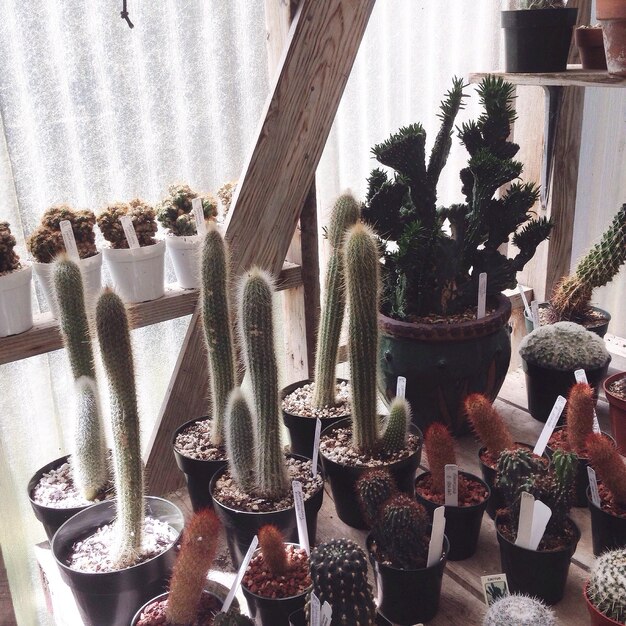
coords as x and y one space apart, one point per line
519 610
607 585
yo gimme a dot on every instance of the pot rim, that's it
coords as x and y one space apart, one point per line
526 363
87 263
287 389
128 255
592 607
17 278
468 507
442 559
610 396
580 457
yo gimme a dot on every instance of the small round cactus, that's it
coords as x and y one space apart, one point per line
374 488
9 261
174 212
488 424
142 216
519 610
272 545
607 583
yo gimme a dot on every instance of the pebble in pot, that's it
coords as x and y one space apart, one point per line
520 610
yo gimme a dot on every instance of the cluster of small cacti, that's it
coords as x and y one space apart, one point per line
339 575
46 241
609 464
225 194
174 212
519 610
580 411
572 296
607 583
564 346
9 261
488 424
142 216
515 467
374 488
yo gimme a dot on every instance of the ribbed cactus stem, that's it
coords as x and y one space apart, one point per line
345 214
273 549
394 436
115 346
217 326
240 441
609 464
257 327
519 610
440 452
580 411
89 464
363 287
488 425
374 488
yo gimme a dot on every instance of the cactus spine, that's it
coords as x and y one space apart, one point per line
394 437
440 452
607 583
345 214
579 423
609 464
217 327
240 441
374 488
273 550
89 463
519 610
488 424
115 345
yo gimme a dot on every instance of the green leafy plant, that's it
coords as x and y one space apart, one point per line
607 582
142 216
429 270
9 261
174 212
520 610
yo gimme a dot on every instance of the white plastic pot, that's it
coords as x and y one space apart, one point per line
185 255
137 273
16 314
90 268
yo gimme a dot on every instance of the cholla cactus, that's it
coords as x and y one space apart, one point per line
519 610
174 211
440 452
339 575
579 422
225 194
488 424
609 463
232 618
142 216
197 552
273 549
344 215
373 489
46 241
564 346
9 261
607 583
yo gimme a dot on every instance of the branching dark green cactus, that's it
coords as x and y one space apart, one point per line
345 214
240 441
115 346
514 468
89 463
373 489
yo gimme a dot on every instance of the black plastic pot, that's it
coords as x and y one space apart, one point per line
112 598
302 429
462 522
599 330
544 385
534 573
298 618
537 40
342 478
608 531
198 473
408 596
242 526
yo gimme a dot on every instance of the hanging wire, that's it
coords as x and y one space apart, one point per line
124 15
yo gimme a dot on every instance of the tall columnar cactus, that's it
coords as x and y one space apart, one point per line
273 549
240 441
9 261
339 575
115 346
519 610
609 464
345 214
89 462
580 411
488 424
197 552
217 323
257 328
395 433
607 583
440 452
572 295
373 489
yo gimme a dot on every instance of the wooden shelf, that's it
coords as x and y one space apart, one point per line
45 336
575 76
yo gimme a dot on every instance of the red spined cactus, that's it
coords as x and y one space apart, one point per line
579 424
272 546
609 465
440 452
192 565
488 425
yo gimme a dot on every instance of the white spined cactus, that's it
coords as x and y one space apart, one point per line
519 610
607 585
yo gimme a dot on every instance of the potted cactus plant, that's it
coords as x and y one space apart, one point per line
463 520
255 488
73 482
604 592
137 273
102 552
16 315
174 213
430 334
520 610
349 447
615 391
325 396
46 242
612 17
550 356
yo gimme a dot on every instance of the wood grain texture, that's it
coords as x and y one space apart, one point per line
575 76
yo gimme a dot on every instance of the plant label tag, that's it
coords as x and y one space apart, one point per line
326 615
452 485
316 446
541 516
529 313
315 610
525 525
482 295
401 387
494 587
129 231
435 547
69 241
534 307
298 499
198 213
242 570
581 377
593 486
551 423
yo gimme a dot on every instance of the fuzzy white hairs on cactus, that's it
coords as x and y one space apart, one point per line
607 585
519 610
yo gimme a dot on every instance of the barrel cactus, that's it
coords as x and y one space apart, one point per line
373 489
174 212
519 610
607 583
142 216
9 261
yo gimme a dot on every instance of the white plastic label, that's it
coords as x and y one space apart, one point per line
452 485
534 307
198 213
69 241
401 387
482 295
581 377
551 423
525 524
593 486
435 547
129 231
316 446
541 517
242 569
326 615
529 313
298 499
315 610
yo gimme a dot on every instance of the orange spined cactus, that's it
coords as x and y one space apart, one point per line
440 452
579 425
487 424
272 546
609 465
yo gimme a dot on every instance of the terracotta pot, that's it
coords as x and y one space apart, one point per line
596 618
617 412
590 44
612 16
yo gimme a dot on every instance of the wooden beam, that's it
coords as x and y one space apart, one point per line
322 45
575 76
7 614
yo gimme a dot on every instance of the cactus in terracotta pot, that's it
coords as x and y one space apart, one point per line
9 260
142 216
609 464
606 585
520 610
174 212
